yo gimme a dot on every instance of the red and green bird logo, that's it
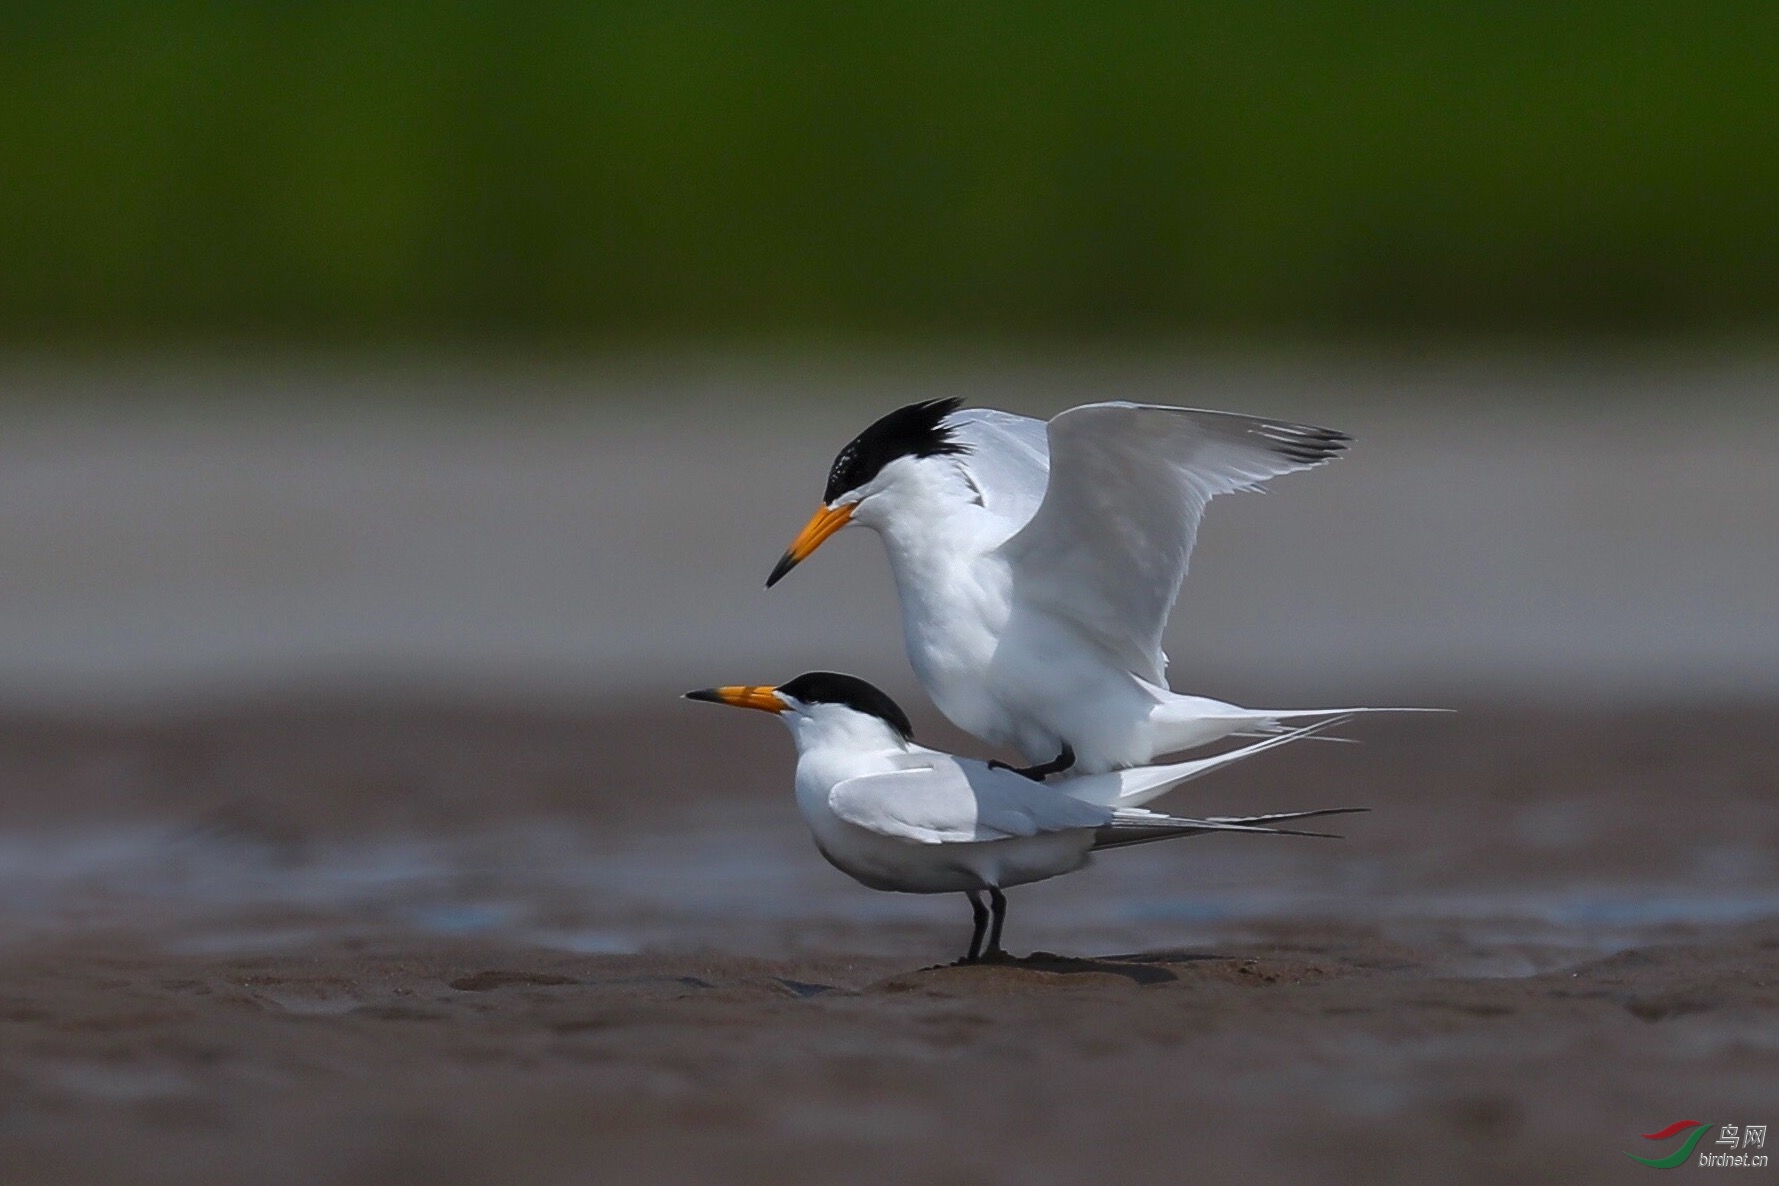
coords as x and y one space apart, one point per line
1679 1155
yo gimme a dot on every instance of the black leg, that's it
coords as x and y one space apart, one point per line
981 915
998 901
1042 770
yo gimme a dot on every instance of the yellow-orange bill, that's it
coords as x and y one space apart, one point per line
825 522
741 696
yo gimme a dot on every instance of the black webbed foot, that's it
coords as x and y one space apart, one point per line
1042 770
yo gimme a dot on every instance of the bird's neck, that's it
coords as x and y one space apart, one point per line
843 730
954 593
834 747
933 526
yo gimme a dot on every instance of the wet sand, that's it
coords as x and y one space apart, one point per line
1322 1054
350 941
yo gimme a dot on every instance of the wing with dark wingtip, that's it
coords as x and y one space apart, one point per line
1109 544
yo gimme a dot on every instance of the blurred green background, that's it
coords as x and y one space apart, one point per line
583 172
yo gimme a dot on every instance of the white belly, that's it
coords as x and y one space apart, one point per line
1028 682
885 863
952 623
1017 678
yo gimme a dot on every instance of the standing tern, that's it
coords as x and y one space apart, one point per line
1036 564
894 815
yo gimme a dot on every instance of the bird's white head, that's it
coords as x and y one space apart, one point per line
824 708
902 458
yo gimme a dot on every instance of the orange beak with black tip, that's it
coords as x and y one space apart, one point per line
825 522
742 696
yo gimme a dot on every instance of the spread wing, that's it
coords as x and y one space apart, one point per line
1108 545
1008 461
959 801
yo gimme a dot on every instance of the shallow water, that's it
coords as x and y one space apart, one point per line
760 889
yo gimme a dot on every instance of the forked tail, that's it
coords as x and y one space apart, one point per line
1139 784
1187 722
1142 827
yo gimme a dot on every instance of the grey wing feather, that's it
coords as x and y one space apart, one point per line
1277 816
1015 805
1137 826
1109 543
1008 461
956 801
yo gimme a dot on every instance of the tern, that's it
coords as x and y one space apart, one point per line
894 815
1037 563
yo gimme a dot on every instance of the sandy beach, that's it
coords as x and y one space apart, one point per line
374 942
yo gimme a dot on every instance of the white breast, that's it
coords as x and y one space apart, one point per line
954 594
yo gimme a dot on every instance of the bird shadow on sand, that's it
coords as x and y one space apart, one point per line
1141 968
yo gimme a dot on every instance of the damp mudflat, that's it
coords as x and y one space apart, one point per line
382 941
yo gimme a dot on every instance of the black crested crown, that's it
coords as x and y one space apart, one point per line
830 687
914 431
